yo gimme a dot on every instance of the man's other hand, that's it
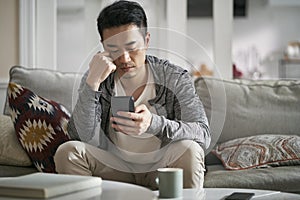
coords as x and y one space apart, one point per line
99 69
137 122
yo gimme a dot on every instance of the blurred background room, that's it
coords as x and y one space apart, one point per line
250 39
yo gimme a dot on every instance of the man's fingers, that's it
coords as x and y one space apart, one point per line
128 130
103 53
140 108
139 123
131 115
126 122
112 66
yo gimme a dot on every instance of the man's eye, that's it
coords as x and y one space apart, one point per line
131 48
114 51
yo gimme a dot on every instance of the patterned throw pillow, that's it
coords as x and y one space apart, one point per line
40 125
259 151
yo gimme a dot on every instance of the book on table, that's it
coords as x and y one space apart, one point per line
46 185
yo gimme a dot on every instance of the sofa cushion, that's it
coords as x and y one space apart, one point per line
242 108
57 86
40 125
9 170
259 151
285 178
11 151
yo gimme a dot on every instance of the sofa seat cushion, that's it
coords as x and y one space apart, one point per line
285 178
11 151
11 171
40 125
259 151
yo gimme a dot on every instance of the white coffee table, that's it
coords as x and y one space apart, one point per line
124 191
221 193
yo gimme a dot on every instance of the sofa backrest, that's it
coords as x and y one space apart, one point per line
235 108
240 108
58 86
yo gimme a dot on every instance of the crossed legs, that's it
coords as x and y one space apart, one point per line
76 157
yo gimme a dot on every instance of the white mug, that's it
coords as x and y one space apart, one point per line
170 182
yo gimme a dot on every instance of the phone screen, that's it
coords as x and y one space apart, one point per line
121 103
240 196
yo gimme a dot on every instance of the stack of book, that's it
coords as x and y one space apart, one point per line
46 185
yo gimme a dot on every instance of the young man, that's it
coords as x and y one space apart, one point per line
169 127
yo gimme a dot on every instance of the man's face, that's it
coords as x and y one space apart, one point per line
127 47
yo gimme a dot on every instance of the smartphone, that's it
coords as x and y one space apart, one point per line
240 196
122 103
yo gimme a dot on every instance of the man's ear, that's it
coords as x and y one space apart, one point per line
102 43
147 40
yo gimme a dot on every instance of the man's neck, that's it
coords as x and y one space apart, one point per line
134 86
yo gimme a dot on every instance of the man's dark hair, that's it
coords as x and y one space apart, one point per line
121 13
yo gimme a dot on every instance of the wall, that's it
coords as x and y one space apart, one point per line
9 49
77 35
71 35
262 36
259 39
267 31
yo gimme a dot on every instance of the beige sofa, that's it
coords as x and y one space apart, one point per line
244 108
235 109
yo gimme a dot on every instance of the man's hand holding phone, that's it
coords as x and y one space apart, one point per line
128 122
99 69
